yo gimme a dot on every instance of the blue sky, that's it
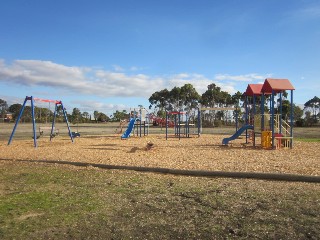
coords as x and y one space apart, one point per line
112 55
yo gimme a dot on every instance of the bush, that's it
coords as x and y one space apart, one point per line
217 123
301 123
207 123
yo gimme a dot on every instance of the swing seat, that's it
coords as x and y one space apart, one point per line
43 130
75 134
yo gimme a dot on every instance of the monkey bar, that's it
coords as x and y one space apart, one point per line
32 99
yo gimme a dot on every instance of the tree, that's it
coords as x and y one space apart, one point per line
3 108
308 119
103 117
27 116
85 116
42 114
236 99
313 105
15 109
190 96
177 99
209 97
297 116
160 99
214 97
285 110
96 115
117 116
76 115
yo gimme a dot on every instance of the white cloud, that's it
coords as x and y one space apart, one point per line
117 68
134 68
199 82
99 82
243 78
90 105
32 72
78 80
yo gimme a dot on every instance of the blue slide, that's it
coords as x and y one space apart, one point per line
225 141
126 134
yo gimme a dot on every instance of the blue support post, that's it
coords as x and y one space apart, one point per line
272 117
262 112
291 121
247 118
280 112
237 123
179 122
254 105
54 120
253 119
199 121
246 105
33 123
18 120
66 119
187 125
140 122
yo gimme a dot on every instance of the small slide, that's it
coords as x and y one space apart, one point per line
225 141
126 134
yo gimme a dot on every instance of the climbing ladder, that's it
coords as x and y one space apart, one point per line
281 134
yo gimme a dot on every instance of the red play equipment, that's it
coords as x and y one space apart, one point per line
178 125
158 121
274 130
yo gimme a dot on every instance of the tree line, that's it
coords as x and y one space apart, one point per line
45 115
184 98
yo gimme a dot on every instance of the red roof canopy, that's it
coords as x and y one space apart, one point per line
253 90
277 85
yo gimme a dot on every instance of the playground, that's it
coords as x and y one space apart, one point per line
41 198
99 182
98 144
248 149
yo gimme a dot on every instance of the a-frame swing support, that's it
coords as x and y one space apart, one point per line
32 99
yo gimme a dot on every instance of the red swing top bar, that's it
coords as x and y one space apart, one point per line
46 100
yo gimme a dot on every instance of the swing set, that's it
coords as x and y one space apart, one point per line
33 99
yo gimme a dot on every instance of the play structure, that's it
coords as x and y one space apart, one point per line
274 129
161 121
181 124
52 130
138 123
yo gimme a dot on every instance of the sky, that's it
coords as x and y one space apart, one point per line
109 55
